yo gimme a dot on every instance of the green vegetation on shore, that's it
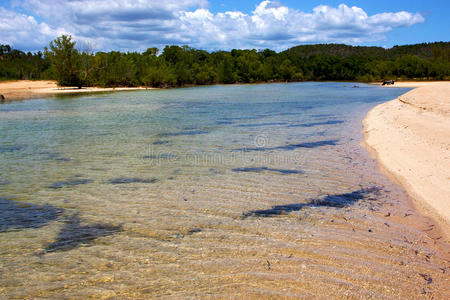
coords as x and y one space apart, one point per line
179 66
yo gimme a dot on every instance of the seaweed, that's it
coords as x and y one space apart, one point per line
4 149
4 182
261 124
126 180
224 122
160 156
160 142
331 122
19 215
242 118
292 146
54 156
190 132
194 230
260 169
337 201
73 234
67 183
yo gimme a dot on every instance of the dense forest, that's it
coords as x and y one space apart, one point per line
179 66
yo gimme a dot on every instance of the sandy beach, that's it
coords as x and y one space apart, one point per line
23 89
410 137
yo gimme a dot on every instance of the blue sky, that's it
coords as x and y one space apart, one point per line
436 12
129 25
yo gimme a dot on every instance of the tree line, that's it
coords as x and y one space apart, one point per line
180 66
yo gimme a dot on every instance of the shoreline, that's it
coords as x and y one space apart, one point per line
29 89
409 137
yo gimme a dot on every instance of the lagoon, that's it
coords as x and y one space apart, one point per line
240 190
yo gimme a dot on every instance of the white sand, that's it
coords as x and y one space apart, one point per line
22 89
410 137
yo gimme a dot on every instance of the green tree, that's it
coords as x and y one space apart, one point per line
178 66
65 61
151 51
287 70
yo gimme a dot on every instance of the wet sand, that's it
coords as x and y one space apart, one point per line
24 89
410 136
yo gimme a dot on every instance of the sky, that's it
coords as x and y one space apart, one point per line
135 25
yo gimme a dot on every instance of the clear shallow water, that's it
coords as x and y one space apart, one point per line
222 190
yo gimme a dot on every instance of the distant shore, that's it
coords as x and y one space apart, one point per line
28 89
24 89
410 137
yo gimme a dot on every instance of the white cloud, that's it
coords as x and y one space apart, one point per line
136 25
276 26
399 19
24 32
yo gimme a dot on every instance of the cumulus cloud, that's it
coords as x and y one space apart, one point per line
24 32
136 25
276 26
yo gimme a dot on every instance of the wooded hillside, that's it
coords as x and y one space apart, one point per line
178 66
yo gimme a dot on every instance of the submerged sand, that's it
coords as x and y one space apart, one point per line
191 234
410 137
23 89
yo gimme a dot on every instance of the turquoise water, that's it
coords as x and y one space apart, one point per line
192 192
146 134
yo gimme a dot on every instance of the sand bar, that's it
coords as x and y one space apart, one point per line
23 89
410 136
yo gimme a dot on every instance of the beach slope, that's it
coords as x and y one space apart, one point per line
410 136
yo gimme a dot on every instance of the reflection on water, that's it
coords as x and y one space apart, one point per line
232 191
